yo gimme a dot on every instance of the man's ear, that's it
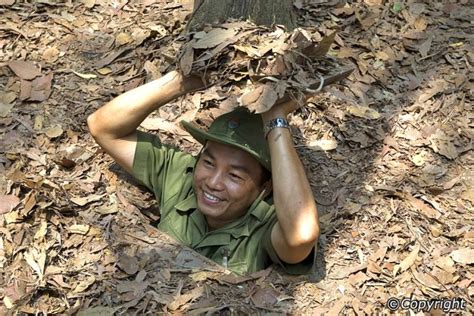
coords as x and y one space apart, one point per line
267 188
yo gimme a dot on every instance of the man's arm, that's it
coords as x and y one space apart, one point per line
114 125
297 230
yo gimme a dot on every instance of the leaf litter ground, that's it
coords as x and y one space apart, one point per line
388 154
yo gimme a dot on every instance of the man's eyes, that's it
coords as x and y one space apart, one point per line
235 176
232 175
208 162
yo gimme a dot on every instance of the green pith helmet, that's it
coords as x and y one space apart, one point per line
238 128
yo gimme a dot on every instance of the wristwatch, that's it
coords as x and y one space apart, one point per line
279 122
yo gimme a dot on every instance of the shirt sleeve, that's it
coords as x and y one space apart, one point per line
304 267
161 168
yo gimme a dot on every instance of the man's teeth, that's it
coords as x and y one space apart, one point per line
210 197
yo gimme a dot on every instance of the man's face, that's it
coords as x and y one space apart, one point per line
227 180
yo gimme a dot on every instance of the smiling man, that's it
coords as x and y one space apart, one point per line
244 202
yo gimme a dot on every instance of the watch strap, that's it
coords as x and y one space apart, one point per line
278 122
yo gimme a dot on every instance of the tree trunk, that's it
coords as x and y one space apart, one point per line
261 12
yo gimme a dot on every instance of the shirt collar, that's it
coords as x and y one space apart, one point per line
190 203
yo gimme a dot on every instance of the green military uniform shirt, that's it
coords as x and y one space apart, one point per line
243 246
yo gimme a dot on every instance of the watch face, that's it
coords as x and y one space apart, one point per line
280 122
277 122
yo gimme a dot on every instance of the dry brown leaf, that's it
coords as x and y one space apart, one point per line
81 201
88 3
323 144
451 183
322 48
159 28
79 229
382 55
426 279
6 102
358 279
392 142
139 35
337 308
84 76
123 38
128 264
203 276
8 203
469 235
259 100
38 123
344 273
232 278
26 70
186 61
249 50
7 300
5 108
265 297
37 90
421 206
84 284
107 209
13 217
29 202
436 230
213 38
367 21
443 145
364 112
41 88
54 131
51 54
468 195
418 160
373 267
98 310
104 71
463 255
425 47
373 2
185 298
137 287
36 259
379 254
152 70
41 232
408 261
110 58
417 8
445 263
443 276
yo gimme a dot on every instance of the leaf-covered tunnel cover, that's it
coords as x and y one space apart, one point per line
265 63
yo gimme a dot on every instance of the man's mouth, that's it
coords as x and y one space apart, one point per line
211 198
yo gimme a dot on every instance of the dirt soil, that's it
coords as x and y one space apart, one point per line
388 153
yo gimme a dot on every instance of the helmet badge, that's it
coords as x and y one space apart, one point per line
233 123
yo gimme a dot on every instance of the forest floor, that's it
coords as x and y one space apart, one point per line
394 185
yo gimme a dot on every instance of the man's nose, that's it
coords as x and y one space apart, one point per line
215 181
